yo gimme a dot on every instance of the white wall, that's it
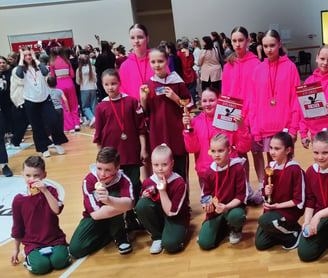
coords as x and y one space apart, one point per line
301 17
110 19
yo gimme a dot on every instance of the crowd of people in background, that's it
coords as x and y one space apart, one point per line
140 106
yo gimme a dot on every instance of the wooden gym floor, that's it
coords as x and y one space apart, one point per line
241 260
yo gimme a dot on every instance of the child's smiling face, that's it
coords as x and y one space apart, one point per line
322 60
158 63
320 153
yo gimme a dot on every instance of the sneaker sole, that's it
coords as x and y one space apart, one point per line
125 251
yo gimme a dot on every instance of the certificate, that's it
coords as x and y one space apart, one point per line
312 100
226 109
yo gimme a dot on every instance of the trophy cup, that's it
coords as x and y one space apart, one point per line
269 172
184 103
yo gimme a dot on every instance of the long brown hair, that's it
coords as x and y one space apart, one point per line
85 61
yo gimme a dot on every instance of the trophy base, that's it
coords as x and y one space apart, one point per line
189 130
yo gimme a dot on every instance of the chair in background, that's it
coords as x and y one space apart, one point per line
304 60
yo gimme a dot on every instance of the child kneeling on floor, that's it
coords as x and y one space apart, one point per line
107 195
223 196
163 207
36 222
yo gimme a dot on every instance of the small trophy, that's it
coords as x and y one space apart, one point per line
184 103
269 172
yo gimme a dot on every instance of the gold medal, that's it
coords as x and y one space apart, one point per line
146 90
215 200
273 102
98 185
124 136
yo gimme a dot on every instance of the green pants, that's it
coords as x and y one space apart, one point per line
133 172
214 230
273 230
311 248
39 264
160 226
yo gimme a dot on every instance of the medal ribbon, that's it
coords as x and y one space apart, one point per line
323 193
121 124
282 172
217 179
142 77
33 75
273 87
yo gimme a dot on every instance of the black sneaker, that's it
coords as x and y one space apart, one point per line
293 245
124 247
6 171
123 244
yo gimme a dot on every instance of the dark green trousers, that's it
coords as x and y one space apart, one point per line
39 264
214 230
160 226
92 235
311 248
273 230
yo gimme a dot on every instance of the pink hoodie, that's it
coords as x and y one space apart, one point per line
198 141
266 119
314 125
133 73
237 80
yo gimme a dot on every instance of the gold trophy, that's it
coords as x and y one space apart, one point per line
184 103
269 172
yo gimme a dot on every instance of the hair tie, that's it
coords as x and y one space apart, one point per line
324 129
285 130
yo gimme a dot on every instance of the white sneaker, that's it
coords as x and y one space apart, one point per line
92 122
46 154
156 247
59 149
234 237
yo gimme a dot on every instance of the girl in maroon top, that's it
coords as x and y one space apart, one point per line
160 98
284 193
120 124
315 227
223 196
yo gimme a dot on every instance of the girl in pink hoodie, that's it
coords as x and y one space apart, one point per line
319 75
274 104
237 83
198 141
136 69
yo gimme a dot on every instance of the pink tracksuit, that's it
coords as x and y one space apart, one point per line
276 81
61 68
198 141
314 126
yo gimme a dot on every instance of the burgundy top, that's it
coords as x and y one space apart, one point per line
289 186
120 183
165 116
314 196
231 183
108 130
35 223
176 190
